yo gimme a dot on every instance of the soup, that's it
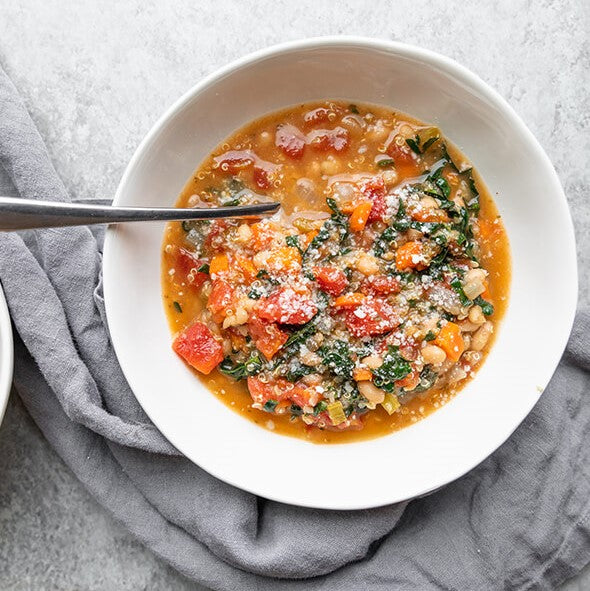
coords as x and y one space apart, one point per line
366 302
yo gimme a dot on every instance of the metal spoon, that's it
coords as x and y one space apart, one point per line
25 214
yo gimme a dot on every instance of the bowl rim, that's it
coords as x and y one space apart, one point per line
459 73
6 354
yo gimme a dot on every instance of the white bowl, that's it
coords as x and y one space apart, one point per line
533 334
6 354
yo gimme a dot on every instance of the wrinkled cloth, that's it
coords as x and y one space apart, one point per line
520 520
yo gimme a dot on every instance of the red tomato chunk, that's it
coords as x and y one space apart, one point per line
331 280
199 348
324 140
286 306
221 298
381 284
290 140
267 336
371 317
187 265
374 190
279 390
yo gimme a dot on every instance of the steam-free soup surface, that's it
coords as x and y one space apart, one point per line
367 302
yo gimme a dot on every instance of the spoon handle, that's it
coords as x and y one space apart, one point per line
26 214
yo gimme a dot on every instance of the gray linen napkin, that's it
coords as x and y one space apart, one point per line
519 521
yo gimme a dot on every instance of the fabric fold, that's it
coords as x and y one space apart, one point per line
518 521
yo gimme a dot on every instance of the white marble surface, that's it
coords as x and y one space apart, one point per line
96 75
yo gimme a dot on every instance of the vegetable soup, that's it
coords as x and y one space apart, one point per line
366 302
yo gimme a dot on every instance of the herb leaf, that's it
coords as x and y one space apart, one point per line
486 307
239 371
301 335
337 358
293 241
383 241
414 144
394 368
458 287
297 371
270 405
385 162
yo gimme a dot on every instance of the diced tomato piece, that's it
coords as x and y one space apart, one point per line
372 317
234 160
404 159
401 154
262 178
303 395
215 239
221 297
187 264
290 140
267 336
286 306
324 140
198 347
409 351
410 381
280 389
316 116
374 190
331 280
381 284
261 392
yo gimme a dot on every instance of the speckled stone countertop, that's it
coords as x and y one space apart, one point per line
96 75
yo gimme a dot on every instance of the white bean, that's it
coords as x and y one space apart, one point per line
373 361
367 264
456 374
481 337
243 234
476 315
330 166
311 359
390 177
371 392
433 355
478 275
473 288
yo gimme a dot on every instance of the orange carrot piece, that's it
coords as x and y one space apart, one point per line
287 258
360 215
424 214
486 295
349 300
409 256
361 374
305 239
218 264
248 269
449 339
